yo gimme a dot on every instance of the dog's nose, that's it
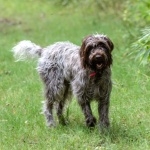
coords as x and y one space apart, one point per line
98 57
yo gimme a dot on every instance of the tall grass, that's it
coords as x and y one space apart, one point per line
21 122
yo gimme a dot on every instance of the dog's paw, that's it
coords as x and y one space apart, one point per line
104 124
104 127
51 124
62 121
91 122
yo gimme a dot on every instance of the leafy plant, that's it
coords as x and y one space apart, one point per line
137 13
136 17
142 47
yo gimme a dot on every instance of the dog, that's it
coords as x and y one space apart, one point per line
67 69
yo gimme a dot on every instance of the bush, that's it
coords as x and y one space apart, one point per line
141 48
137 13
137 17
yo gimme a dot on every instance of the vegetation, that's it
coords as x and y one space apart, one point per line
22 126
141 48
137 15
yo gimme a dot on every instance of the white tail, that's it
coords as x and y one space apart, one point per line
26 49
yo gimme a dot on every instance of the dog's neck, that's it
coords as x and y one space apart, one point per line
93 74
97 73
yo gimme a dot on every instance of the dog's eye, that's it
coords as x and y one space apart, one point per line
101 45
90 48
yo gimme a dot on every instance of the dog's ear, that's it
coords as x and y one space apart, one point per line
110 43
83 52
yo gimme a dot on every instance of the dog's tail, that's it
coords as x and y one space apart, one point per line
26 49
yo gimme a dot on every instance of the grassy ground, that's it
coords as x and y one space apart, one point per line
22 125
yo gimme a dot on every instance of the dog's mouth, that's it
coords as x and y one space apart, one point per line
100 64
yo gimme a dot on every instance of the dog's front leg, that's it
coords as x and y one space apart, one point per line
103 104
103 110
86 108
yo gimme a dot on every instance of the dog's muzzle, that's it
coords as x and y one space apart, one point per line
98 61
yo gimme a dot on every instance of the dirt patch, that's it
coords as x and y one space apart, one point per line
9 22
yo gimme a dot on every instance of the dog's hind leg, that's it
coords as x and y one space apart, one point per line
62 103
55 92
61 118
48 107
51 76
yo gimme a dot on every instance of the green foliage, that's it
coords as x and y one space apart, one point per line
64 2
96 4
137 17
141 48
137 13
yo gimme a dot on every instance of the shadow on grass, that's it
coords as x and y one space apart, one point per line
119 133
115 134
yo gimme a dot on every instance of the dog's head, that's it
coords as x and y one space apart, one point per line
95 52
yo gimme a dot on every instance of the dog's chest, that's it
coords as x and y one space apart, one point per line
94 88
99 86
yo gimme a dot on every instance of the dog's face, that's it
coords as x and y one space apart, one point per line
96 51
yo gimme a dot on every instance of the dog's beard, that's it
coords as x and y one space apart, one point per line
98 61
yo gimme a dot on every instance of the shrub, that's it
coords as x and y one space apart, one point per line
136 16
141 48
137 13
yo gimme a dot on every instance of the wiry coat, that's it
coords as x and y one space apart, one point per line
64 69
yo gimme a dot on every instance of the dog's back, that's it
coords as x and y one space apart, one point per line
62 57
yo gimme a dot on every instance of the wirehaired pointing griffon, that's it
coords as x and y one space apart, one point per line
66 69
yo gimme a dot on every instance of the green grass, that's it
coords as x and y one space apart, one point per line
22 125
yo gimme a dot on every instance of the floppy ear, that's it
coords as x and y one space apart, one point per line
110 43
84 53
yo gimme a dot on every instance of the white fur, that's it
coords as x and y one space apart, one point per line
26 49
